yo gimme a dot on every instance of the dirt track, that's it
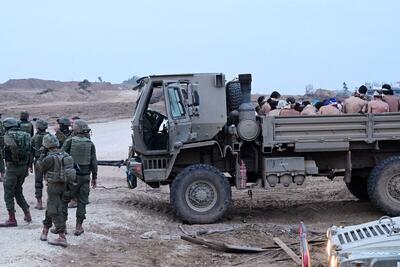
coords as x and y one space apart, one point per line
118 216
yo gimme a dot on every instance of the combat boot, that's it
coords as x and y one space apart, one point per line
60 241
79 229
28 217
11 222
39 203
44 234
72 204
53 231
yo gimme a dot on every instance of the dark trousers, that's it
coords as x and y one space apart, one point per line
81 193
38 183
14 179
54 209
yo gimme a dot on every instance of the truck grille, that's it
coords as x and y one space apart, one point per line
155 163
365 232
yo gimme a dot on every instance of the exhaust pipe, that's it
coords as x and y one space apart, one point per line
248 128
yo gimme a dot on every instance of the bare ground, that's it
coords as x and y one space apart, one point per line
118 216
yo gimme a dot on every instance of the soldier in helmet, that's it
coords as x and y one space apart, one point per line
18 156
83 151
2 166
58 170
41 127
63 132
24 123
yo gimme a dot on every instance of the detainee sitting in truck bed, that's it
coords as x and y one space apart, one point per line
377 105
330 109
356 103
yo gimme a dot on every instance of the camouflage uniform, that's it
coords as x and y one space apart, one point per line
2 166
24 124
36 142
18 158
63 132
52 165
83 151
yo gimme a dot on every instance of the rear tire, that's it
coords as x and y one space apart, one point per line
384 186
358 187
200 194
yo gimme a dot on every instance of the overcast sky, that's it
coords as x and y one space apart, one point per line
285 44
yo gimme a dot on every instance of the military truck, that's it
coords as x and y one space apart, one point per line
201 136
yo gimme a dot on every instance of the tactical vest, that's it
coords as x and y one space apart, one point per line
81 148
18 144
62 136
26 126
1 136
37 142
63 168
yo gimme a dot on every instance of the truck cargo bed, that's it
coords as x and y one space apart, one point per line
329 131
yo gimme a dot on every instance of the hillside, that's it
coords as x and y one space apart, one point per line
50 99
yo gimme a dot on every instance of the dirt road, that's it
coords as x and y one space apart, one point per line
118 216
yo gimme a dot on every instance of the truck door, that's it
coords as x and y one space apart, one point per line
179 123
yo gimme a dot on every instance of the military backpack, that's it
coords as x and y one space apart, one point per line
63 169
19 143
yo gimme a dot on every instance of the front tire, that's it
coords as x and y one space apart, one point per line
200 194
384 186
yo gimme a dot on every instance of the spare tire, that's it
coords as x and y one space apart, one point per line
233 95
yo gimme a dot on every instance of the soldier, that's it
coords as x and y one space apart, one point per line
58 170
330 109
389 97
83 151
63 131
357 102
37 139
24 123
18 156
377 105
2 166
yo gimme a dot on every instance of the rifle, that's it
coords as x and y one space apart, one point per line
112 163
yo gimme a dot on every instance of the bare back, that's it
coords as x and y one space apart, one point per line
377 106
355 104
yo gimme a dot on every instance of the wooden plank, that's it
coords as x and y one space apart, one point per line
288 251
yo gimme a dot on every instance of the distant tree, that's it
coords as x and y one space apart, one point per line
85 84
132 80
345 89
100 79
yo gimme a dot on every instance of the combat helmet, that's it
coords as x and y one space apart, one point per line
80 126
24 115
64 121
10 123
50 141
42 125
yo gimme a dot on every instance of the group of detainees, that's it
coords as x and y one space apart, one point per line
383 100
